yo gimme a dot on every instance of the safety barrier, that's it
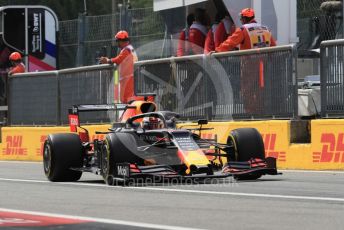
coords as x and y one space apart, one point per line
26 143
43 98
324 152
332 80
250 84
33 98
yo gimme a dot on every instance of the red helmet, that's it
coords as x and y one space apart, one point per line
122 35
247 12
151 123
15 56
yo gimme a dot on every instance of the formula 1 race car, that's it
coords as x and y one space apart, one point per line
147 144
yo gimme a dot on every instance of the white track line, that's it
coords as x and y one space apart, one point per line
23 162
187 191
100 220
280 170
312 171
246 194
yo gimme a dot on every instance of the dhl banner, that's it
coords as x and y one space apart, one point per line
275 135
26 143
325 152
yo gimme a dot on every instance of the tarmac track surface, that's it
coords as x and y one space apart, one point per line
294 200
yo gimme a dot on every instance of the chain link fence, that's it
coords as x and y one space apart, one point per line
318 20
84 39
251 84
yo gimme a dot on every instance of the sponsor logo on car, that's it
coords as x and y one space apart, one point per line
73 122
332 149
154 138
209 136
123 170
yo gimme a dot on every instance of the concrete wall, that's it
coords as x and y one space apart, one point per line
325 151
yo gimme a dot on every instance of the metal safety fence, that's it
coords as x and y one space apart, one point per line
332 78
43 98
251 84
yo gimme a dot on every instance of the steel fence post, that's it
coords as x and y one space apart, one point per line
58 99
294 80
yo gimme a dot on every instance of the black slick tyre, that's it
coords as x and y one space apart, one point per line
247 144
62 152
118 148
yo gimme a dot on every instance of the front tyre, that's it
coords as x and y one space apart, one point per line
118 148
247 144
62 152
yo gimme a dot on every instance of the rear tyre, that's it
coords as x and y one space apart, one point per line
247 144
60 153
118 148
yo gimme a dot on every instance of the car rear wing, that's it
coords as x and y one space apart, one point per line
73 113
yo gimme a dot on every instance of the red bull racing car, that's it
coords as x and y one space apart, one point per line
147 144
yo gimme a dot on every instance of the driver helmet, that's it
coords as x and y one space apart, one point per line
151 123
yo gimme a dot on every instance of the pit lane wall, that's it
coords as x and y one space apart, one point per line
325 152
26 143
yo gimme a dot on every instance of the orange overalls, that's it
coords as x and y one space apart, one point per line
125 61
209 44
197 35
20 68
183 48
250 36
224 29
